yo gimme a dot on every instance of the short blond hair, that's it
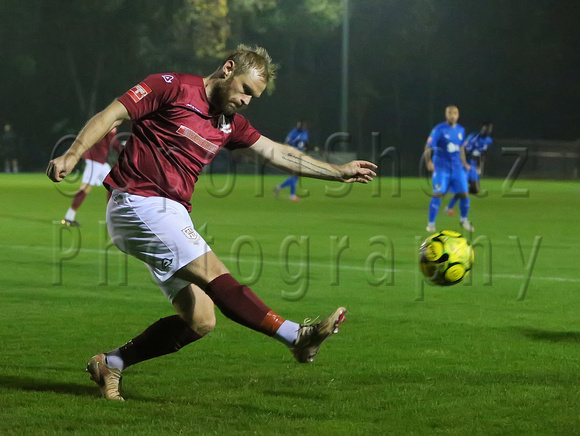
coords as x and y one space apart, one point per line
246 58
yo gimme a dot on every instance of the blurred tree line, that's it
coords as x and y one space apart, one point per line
511 61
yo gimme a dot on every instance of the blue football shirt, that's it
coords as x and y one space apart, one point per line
446 142
476 145
297 138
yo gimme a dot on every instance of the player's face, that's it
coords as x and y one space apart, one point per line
233 94
452 115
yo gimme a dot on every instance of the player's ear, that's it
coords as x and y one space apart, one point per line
228 68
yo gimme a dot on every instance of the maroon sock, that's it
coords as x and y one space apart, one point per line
168 335
241 305
78 200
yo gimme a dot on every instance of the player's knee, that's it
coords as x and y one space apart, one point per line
204 324
464 195
437 195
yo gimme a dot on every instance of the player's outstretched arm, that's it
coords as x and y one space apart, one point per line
294 161
95 129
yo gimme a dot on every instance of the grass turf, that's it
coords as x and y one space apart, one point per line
490 356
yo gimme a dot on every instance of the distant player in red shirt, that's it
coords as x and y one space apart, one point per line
179 123
96 169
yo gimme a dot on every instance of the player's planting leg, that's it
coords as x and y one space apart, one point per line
167 335
293 185
433 211
449 208
464 204
78 199
474 187
107 377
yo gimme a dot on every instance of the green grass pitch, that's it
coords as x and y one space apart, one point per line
498 354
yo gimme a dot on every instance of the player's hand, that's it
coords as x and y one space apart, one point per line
61 167
360 171
467 166
430 166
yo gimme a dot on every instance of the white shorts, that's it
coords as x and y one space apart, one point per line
157 231
95 172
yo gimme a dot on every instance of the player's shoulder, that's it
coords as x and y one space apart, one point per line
189 79
439 128
238 121
176 79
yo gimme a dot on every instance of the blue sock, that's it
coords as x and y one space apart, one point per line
287 183
452 202
434 208
464 207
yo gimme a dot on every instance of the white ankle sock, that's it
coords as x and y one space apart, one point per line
70 215
114 359
287 333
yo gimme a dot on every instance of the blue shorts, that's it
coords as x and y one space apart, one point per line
454 181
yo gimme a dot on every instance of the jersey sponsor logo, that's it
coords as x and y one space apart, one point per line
138 92
190 233
168 78
460 135
197 139
452 148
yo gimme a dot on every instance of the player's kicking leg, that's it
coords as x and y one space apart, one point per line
241 305
310 337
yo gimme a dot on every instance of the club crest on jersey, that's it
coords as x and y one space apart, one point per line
168 78
139 92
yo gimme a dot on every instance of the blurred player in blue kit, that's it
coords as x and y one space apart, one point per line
476 146
297 138
445 158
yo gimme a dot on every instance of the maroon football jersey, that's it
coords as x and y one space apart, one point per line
173 137
100 150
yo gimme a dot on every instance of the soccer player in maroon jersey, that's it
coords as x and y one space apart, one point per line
179 123
96 169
